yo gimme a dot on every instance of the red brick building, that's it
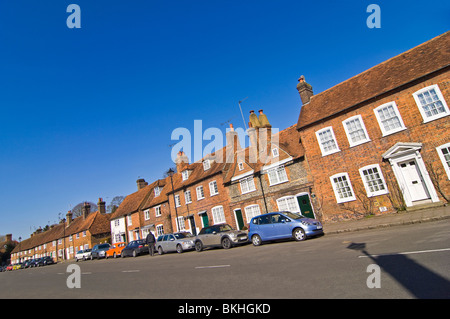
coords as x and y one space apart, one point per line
196 193
63 240
379 141
276 179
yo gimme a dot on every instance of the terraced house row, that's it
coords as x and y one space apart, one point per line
376 143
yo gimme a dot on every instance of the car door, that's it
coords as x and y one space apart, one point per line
171 243
265 229
216 236
207 238
163 243
280 226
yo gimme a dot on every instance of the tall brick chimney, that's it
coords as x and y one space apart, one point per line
8 237
68 218
86 209
305 90
101 206
141 183
264 136
181 162
232 140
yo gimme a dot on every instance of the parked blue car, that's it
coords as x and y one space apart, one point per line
279 225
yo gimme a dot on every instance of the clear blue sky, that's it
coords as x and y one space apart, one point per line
85 112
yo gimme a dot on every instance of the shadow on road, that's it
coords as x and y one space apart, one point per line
417 279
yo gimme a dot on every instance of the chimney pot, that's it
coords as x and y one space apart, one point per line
101 206
141 183
86 209
305 90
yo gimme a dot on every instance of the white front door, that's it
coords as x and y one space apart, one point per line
413 180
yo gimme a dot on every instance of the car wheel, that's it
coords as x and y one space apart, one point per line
134 253
198 246
179 249
114 255
226 243
160 250
299 234
256 240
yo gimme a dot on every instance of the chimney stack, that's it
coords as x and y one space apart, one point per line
264 136
305 90
68 218
181 162
86 209
141 183
8 237
101 206
232 137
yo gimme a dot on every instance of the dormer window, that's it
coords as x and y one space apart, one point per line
157 191
185 175
241 166
206 165
275 152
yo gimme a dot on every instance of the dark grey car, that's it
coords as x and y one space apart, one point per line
222 235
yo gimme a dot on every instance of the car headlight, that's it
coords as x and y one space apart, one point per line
305 223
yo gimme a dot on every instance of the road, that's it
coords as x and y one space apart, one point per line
413 261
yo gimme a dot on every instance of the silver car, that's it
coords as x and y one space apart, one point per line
222 235
178 242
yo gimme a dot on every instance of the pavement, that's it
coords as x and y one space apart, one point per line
388 220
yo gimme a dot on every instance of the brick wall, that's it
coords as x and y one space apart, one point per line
351 159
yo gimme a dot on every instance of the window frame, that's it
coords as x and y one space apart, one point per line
248 181
215 190
200 188
277 169
188 197
285 198
384 132
335 189
177 200
325 153
206 165
249 213
442 158
363 127
158 211
222 218
441 98
367 187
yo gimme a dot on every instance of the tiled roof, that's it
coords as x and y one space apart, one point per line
96 223
197 172
133 202
397 71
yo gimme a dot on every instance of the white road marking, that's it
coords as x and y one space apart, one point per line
408 252
218 266
131 270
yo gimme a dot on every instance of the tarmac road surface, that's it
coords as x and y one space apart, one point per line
412 261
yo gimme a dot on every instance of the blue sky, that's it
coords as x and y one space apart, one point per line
85 112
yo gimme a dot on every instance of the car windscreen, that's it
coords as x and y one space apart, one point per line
293 215
224 227
182 235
